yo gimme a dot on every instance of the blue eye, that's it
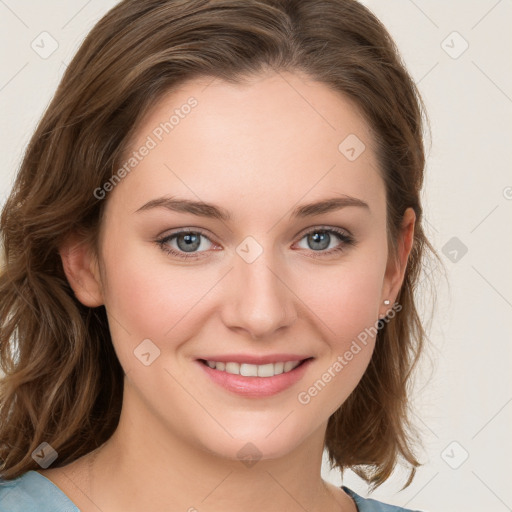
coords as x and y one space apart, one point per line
320 239
187 243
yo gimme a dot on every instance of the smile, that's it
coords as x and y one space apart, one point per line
252 380
254 370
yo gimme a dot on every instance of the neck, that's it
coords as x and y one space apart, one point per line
145 467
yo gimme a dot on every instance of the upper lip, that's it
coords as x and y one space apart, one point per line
251 359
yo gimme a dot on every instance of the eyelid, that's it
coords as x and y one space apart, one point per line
300 235
177 231
162 241
321 227
345 236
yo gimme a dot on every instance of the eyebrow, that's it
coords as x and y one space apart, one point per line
209 210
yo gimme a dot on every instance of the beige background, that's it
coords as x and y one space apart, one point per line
464 398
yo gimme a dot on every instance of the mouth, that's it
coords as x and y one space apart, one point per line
255 380
254 370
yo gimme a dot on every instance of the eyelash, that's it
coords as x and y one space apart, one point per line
343 236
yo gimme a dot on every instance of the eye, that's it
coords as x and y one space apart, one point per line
189 243
185 243
322 238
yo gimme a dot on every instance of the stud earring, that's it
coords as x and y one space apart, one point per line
386 302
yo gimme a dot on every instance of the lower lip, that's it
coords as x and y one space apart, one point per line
256 386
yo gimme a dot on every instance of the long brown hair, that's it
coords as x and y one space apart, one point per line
63 383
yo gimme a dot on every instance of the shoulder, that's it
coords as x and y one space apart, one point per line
32 492
370 505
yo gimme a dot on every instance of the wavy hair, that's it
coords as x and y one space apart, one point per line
61 381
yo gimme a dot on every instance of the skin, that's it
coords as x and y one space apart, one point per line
258 151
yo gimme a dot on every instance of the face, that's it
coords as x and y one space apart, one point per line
255 273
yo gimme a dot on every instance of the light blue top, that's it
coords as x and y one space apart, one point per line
32 492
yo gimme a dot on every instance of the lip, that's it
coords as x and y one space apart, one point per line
250 359
255 387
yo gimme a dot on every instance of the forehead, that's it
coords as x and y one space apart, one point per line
276 139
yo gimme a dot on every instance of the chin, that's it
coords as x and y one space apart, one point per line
255 444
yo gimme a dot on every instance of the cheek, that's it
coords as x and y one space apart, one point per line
148 299
344 302
346 298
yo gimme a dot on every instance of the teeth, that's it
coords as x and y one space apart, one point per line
290 365
254 370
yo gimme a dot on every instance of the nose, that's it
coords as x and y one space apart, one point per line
260 301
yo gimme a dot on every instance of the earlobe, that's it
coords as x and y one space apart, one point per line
81 269
395 271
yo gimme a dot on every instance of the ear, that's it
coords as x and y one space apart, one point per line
395 269
81 268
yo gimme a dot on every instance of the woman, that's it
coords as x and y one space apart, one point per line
211 249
